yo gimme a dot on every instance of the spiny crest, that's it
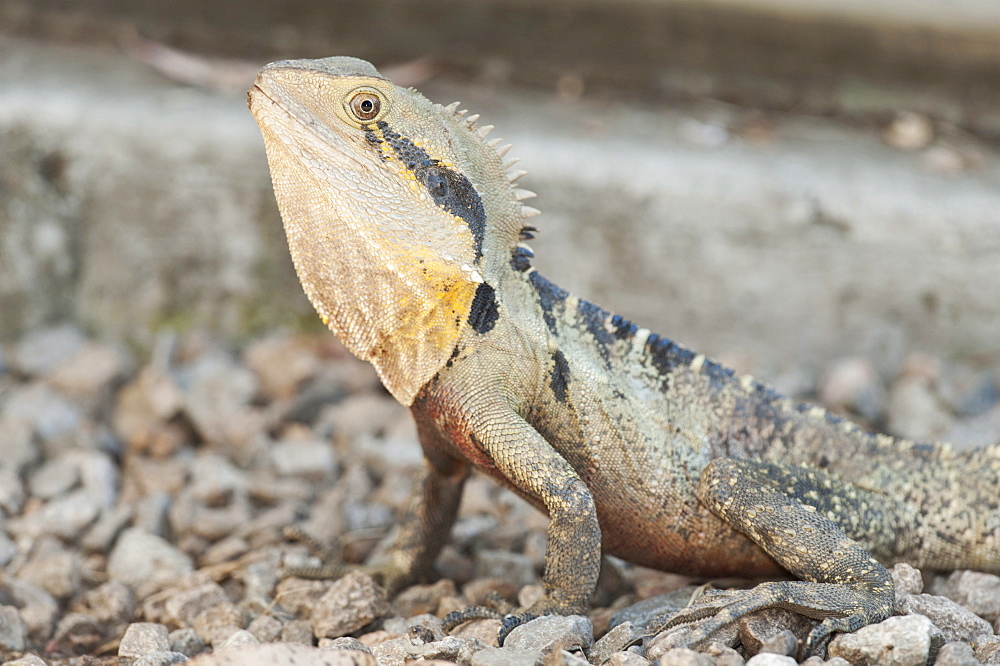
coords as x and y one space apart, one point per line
501 149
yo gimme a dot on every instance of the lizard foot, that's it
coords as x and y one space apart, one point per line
497 608
512 622
455 618
840 609
332 567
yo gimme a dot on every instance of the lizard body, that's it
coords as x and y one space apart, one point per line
405 226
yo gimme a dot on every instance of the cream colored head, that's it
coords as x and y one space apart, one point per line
393 207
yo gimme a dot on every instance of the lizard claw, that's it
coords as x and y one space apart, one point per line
455 618
511 622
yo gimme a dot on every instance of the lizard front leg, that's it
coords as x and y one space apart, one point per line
573 549
821 529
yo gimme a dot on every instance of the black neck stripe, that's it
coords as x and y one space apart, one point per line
450 189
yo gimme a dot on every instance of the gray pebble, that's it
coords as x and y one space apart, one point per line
368 414
288 654
425 627
238 639
217 392
78 633
351 603
57 572
629 659
313 459
27 660
17 447
297 631
38 608
151 513
111 602
99 475
182 607
418 599
186 642
265 628
552 632
907 579
987 649
771 659
142 638
146 562
572 659
39 352
216 625
282 363
65 517
507 656
52 416
160 659
956 654
897 641
613 641
12 493
513 567
956 622
967 391
259 580
758 629
300 596
102 534
783 643
53 478
977 591
367 515
89 373
914 410
448 648
344 643
484 631
723 655
8 549
13 632
392 652
684 657
853 383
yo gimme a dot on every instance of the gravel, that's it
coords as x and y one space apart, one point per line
143 505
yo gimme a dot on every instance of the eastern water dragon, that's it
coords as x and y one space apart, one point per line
407 230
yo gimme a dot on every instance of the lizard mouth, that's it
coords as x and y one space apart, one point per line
268 110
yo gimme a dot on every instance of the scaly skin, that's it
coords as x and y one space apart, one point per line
405 229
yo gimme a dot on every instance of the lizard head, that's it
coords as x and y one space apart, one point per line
397 211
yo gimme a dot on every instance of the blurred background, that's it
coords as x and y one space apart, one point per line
778 183
808 190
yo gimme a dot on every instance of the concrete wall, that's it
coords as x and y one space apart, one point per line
777 240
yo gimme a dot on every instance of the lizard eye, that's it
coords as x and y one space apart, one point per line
365 105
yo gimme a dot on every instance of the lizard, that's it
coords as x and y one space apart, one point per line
407 227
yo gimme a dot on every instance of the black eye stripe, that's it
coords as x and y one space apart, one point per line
450 189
